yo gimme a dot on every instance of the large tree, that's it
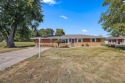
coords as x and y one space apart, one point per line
1 37
16 14
113 20
42 32
23 34
46 32
59 32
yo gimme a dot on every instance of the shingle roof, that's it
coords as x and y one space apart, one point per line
68 36
120 37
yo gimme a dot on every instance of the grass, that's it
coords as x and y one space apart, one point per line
70 65
19 45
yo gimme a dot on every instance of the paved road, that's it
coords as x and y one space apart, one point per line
9 58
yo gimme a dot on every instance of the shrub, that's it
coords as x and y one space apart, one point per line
120 47
109 45
66 46
87 44
82 45
55 46
58 42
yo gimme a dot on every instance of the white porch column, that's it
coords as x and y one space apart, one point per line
116 41
81 39
95 40
111 42
124 41
90 39
68 41
77 39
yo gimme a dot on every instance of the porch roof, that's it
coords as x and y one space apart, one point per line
120 37
68 37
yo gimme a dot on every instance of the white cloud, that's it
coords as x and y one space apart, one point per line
50 2
84 30
64 17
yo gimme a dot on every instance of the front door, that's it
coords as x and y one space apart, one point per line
72 42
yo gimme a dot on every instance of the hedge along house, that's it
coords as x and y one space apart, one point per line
70 40
116 40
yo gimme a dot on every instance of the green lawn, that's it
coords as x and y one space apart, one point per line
19 45
70 65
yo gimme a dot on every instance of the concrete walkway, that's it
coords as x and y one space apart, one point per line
9 58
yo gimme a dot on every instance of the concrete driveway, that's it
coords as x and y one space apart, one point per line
9 58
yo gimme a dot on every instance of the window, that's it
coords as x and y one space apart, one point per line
79 40
64 40
75 40
93 40
109 40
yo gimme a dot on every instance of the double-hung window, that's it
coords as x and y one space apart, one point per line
79 40
93 40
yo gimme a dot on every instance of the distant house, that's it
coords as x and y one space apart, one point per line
70 40
116 40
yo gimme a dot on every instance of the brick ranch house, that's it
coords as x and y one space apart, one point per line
70 40
116 40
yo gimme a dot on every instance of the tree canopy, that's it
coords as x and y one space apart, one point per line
59 32
22 35
1 38
46 32
113 20
16 14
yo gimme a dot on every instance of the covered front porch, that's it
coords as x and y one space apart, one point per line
116 41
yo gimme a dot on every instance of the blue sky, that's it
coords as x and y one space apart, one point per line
74 16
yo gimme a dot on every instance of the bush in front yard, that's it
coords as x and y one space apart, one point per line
120 47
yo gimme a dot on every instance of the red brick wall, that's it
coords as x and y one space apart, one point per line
88 44
45 40
86 40
54 40
98 40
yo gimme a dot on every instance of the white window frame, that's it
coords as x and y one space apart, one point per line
80 40
92 39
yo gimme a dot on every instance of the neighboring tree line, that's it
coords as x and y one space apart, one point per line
50 32
24 35
113 20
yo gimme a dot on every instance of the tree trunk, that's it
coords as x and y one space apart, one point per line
10 43
10 40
